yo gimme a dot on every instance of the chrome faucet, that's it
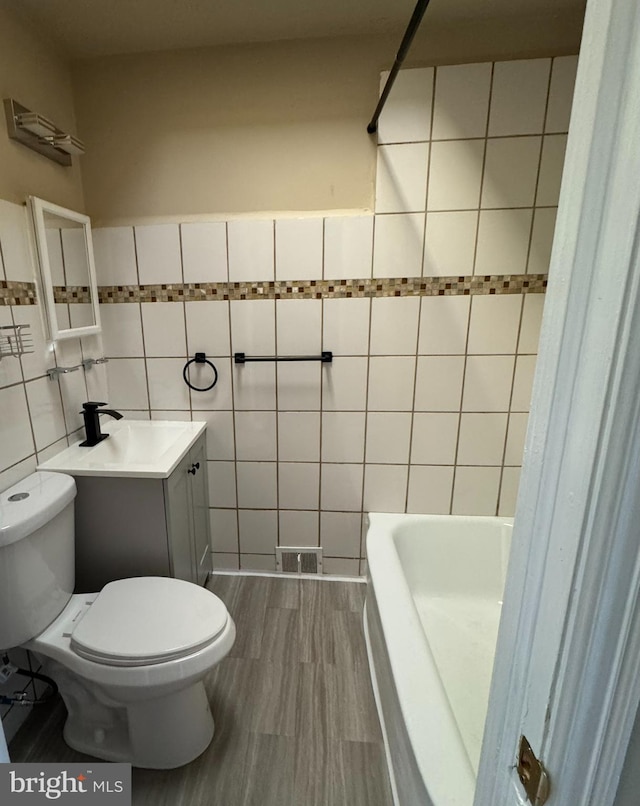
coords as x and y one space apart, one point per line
92 422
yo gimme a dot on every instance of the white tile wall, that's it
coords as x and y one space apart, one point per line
430 489
394 325
299 248
348 247
166 387
340 533
487 383
563 77
299 326
444 324
553 150
344 386
439 383
401 178
253 327
14 236
385 488
299 386
509 491
254 386
204 252
503 241
397 245
122 329
158 253
493 325
388 437
475 491
298 485
455 176
544 222
299 436
15 432
207 326
434 438
257 484
462 101
345 326
250 250
510 172
406 116
450 243
164 329
341 487
519 97
224 530
256 439
115 256
391 383
38 415
426 399
258 530
128 383
343 436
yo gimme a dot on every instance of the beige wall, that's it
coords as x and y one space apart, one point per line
33 74
267 127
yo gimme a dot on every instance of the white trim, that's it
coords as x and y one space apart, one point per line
38 208
287 575
378 701
567 666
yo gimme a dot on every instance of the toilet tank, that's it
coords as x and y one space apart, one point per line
37 563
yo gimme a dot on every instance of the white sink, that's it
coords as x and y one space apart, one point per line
135 448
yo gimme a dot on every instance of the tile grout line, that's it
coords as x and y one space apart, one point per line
475 253
276 385
144 344
233 405
538 172
424 249
322 347
184 316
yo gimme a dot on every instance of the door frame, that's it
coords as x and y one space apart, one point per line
567 671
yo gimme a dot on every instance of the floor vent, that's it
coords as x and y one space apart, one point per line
298 560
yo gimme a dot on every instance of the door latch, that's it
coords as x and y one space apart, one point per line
532 774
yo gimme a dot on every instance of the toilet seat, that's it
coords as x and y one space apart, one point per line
143 621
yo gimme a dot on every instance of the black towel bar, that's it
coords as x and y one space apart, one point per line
326 357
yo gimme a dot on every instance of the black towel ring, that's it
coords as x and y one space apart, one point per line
200 358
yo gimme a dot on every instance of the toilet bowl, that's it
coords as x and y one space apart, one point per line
130 660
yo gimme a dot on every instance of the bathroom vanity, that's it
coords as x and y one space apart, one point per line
142 507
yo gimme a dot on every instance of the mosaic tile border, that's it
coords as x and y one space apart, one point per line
70 294
328 289
17 293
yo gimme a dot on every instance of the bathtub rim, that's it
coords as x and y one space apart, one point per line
446 783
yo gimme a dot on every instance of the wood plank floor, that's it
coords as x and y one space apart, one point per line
296 723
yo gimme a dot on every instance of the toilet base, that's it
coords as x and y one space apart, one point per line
156 734
159 733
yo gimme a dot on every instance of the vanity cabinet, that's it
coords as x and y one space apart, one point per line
128 527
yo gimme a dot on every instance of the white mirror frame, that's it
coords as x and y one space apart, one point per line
38 208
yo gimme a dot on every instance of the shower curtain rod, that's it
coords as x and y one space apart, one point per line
407 39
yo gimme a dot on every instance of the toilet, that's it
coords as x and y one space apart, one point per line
130 660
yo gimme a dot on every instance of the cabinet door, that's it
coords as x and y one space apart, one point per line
178 512
200 512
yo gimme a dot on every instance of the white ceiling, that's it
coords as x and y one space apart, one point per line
87 28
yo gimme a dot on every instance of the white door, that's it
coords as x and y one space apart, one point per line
567 672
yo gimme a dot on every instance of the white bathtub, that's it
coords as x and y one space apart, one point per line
432 610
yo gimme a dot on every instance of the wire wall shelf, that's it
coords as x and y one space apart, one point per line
15 340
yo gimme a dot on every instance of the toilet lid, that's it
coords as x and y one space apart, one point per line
146 620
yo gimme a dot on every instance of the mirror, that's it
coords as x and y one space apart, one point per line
65 254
